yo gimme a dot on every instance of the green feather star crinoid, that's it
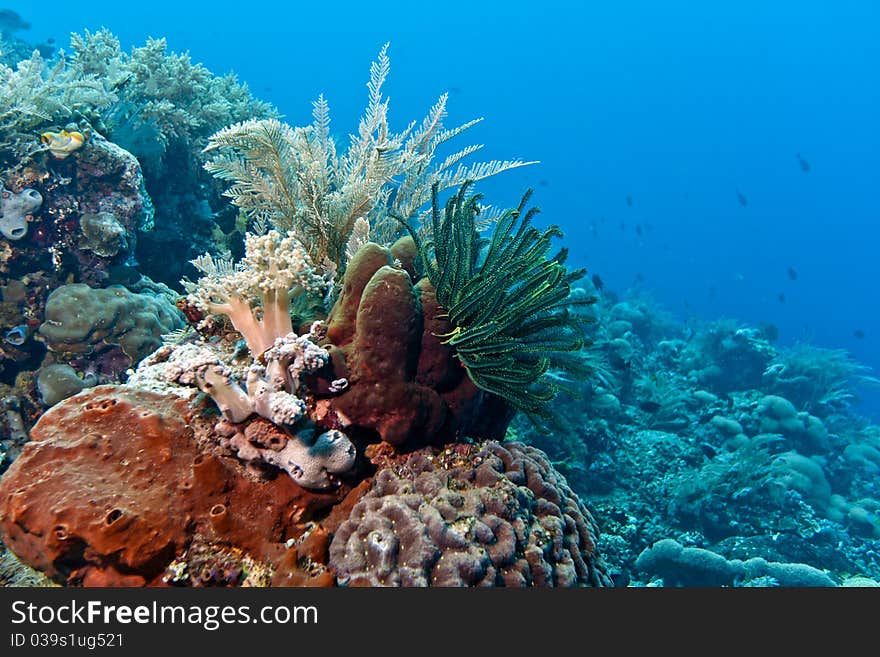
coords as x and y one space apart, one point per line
514 328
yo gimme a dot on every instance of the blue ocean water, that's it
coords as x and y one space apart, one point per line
649 120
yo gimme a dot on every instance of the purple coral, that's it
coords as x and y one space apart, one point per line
490 515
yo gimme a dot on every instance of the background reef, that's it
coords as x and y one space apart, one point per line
330 424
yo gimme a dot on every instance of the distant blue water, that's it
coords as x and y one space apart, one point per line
676 104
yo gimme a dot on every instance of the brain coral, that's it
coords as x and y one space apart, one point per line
485 515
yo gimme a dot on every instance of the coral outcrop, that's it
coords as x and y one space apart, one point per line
81 320
167 505
298 430
472 515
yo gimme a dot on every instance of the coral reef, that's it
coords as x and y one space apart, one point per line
326 403
157 106
489 513
684 433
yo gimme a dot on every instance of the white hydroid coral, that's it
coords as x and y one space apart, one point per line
295 179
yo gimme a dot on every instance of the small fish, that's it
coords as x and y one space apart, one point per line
622 226
640 278
743 201
598 283
650 406
639 230
50 40
712 292
859 334
805 166
544 182
629 201
17 336
792 274
781 297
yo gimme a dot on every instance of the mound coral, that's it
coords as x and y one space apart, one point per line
490 515
85 320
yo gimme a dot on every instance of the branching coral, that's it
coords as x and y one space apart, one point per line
275 268
157 105
514 329
159 94
272 381
294 179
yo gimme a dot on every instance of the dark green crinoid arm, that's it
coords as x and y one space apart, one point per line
509 309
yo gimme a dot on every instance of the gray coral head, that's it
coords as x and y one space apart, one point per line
16 210
103 234
337 451
311 461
